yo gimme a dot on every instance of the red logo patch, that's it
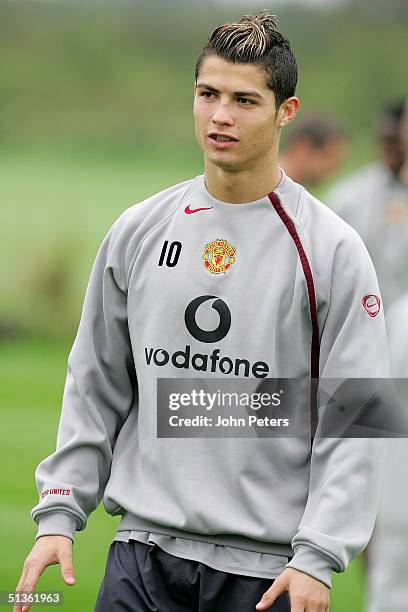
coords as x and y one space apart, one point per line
189 210
372 304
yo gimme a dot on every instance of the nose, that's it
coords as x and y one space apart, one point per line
222 114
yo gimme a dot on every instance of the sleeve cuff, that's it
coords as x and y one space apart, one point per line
56 523
313 563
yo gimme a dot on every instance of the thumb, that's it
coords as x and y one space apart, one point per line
67 570
268 598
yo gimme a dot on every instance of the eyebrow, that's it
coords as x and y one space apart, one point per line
254 94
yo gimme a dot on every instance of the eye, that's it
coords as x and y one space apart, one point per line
206 94
244 100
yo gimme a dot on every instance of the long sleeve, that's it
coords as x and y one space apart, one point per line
100 390
345 472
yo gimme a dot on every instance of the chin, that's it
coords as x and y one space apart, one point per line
223 162
228 166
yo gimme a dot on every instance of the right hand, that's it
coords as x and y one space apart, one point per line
48 550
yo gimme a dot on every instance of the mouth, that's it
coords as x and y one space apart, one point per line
219 137
222 141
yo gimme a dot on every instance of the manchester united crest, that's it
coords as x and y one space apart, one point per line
218 256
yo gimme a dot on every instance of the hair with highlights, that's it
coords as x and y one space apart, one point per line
255 40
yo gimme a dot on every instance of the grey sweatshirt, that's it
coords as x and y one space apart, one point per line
299 280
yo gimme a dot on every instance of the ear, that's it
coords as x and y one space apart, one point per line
195 87
288 110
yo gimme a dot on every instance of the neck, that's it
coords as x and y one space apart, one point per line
238 187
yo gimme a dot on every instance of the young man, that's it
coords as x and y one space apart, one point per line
236 275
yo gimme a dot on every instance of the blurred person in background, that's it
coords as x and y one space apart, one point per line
387 587
210 524
374 200
313 149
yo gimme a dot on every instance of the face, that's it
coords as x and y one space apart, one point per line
234 100
321 162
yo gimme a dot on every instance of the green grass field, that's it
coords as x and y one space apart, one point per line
32 375
56 208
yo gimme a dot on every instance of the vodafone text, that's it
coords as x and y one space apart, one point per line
204 362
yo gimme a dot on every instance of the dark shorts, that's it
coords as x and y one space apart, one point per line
144 578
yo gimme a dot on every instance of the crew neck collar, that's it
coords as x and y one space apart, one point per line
233 205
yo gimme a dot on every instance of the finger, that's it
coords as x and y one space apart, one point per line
19 587
67 569
36 568
271 595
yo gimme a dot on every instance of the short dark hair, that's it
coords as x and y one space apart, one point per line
255 40
390 117
394 110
